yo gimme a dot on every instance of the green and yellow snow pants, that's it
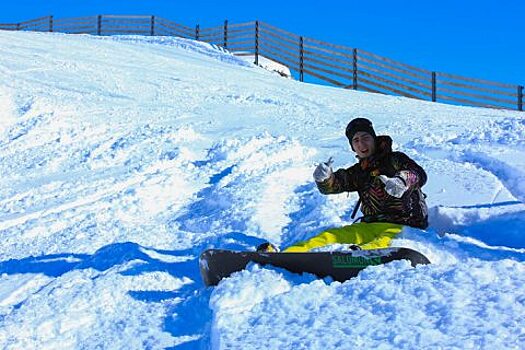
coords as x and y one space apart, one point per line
366 235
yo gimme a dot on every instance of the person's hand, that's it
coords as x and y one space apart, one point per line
323 171
394 186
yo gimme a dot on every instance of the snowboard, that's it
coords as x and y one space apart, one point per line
216 264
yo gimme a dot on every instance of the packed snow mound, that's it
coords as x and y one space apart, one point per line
508 131
123 158
198 47
409 308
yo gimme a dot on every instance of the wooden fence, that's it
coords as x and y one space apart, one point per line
338 65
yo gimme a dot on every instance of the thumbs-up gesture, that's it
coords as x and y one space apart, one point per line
323 171
394 186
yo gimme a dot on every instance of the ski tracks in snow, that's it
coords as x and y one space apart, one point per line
488 225
250 187
133 178
512 177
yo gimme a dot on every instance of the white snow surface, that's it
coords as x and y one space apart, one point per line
123 158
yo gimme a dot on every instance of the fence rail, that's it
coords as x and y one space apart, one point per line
339 65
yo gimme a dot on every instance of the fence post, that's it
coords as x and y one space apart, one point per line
226 34
50 23
520 98
197 32
256 43
354 69
99 24
152 26
301 58
434 87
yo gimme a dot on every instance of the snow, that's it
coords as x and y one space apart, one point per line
123 158
266 63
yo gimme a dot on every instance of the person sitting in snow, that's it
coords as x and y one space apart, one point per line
389 187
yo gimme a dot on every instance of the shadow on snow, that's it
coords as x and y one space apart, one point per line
502 234
190 316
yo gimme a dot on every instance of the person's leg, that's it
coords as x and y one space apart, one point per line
366 235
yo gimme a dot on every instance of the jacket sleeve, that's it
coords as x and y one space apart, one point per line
343 180
408 170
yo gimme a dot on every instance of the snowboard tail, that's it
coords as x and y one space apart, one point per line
216 264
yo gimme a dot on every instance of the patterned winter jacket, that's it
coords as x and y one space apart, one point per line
376 204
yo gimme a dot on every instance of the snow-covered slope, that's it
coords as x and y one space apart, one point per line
123 158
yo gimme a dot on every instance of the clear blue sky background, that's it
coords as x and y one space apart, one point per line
482 39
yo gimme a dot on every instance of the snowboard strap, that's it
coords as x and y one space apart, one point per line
356 208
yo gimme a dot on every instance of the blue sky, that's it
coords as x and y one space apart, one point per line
482 39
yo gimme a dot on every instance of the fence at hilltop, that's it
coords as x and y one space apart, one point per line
338 65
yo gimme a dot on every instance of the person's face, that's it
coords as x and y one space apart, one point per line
363 144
